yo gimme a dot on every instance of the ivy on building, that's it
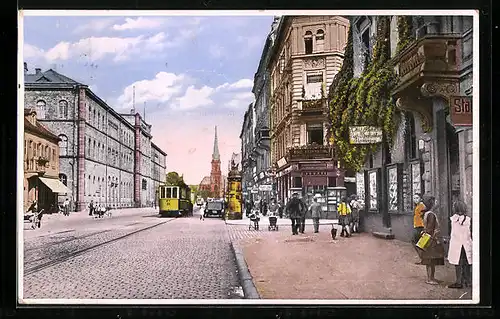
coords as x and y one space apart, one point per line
405 32
365 100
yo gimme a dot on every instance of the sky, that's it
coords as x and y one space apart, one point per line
190 73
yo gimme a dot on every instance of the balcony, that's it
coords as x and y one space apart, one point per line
313 107
309 152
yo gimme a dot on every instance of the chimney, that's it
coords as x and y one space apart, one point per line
38 70
25 67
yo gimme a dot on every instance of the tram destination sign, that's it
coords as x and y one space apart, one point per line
365 134
461 110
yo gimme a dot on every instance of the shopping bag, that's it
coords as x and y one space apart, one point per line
424 241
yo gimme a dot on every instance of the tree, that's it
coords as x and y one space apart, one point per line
174 179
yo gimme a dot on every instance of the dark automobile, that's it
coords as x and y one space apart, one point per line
214 208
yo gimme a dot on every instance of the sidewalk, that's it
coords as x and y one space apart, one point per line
264 221
313 266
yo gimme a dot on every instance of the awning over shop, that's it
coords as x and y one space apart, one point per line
55 185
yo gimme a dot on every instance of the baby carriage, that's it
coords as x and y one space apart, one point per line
254 221
272 222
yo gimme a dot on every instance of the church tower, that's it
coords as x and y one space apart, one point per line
215 174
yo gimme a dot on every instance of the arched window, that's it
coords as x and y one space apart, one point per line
63 179
308 42
320 41
41 108
63 145
63 108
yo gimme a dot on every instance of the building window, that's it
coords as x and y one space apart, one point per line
98 120
63 145
144 184
63 179
313 86
94 150
332 182
411 138
308 42
297 181
320 41
41 108
94 118
314 134
63 108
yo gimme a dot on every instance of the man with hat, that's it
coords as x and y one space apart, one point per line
295 209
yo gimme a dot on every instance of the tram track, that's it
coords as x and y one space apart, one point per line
66 240
54 261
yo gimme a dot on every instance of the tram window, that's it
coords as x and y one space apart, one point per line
169 192
174 192
162 192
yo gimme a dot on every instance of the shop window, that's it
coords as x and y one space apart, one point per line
63 108
320 41
314 134
313 86
41 108
297 181
332 182
308 42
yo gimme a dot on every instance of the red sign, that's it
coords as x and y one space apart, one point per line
461 110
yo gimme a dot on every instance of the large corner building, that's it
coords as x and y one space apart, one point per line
105 157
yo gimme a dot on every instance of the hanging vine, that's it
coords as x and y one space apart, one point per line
405 32
365 100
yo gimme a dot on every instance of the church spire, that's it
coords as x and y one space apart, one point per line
215 154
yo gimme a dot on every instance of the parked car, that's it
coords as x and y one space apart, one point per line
214 208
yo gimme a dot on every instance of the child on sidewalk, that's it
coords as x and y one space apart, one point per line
460 250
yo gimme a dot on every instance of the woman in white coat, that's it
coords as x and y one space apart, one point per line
460 251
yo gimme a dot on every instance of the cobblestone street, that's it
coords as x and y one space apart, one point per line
140 256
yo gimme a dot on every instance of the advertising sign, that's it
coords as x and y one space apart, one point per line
265 188
461 110
365 135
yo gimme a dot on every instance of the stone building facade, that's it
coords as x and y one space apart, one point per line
41 165
261 151
248 160
431 153
307 54
105 157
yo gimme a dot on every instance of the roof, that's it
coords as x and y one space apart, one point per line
156 147
38 128
205 180
49 78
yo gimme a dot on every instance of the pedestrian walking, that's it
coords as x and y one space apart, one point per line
66 207
418 220
355 208
344 211
303 213
433 253
315 210
460 250
263 207
91 208
294 208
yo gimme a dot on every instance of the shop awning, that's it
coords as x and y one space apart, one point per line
55 185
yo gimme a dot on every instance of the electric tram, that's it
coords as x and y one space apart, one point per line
174 201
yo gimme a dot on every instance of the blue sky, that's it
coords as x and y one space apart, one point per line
190 73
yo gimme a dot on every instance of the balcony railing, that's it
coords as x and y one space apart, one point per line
310 152
313 105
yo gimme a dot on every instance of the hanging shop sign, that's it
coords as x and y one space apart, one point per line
365 134
461 110
281 162
265 188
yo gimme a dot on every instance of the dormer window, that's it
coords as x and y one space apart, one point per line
320 41
308 42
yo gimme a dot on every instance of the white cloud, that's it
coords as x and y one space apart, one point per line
240 100
96 48
240 84
96 25
253 41
140 23
163 88
194 98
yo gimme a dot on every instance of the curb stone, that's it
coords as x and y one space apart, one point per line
246 281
